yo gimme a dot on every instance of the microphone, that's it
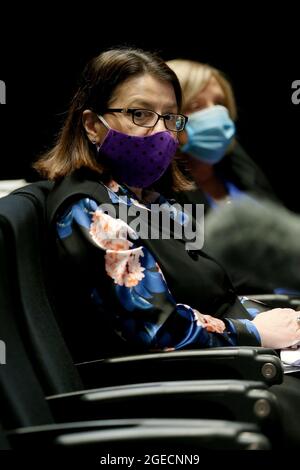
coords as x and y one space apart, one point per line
256 238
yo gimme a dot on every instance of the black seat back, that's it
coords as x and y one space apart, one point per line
23 216
22 400
87 329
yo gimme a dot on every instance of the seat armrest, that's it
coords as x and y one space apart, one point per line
142 436
276 300
237 400
216 363
44 435
164 441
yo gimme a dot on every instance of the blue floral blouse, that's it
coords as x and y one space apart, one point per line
144 310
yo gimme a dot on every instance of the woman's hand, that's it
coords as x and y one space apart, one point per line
278 328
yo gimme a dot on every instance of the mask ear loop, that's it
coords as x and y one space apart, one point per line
103 121
94 141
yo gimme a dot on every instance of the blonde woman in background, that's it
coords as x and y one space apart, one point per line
209 151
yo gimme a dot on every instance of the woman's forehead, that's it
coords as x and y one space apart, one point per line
146 89
212 87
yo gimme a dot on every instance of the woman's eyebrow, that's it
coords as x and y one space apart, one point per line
150 105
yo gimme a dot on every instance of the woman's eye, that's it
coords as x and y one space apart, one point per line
197 107
142 114
138 114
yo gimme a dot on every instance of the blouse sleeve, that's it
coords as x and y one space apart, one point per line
145 312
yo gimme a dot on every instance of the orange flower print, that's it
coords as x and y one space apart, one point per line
110 233
211 324
124 267
122 264
113 186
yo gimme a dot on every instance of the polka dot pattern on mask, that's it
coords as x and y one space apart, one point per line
135 160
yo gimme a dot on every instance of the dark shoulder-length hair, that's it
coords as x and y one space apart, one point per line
99 80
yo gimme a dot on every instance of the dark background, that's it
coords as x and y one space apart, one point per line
41 60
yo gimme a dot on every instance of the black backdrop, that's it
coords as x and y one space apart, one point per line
41 61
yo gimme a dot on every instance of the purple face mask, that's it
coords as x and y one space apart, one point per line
137 161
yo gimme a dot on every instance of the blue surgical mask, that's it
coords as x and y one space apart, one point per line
210 132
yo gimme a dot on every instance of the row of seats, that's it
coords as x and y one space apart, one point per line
184 400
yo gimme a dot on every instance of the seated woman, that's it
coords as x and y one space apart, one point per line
120 288
209 151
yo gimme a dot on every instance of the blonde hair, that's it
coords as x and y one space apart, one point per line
194 76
